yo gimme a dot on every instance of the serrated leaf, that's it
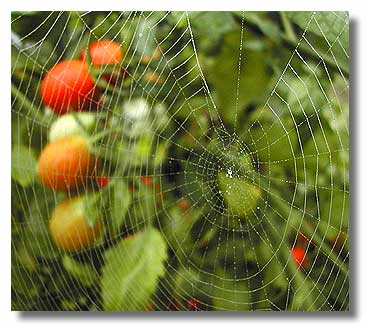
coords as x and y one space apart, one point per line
131 272
23 165
93 205
271 136
265 24
177 232
185 282
305 96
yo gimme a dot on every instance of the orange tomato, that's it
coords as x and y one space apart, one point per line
66 163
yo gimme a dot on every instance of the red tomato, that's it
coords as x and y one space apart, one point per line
103 52
184 204
193 304
299 256
146 180
68 85
102 181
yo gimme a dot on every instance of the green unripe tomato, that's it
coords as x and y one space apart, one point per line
241 197
69 125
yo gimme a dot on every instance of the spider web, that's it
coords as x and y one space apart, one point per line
231 191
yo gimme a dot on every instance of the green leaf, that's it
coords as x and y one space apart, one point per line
119 201
84 273
23 165
231 295
209 27
240 197
92 205
327 24
223 76
332 32
334 212
268 26
130 275
177 231
271 136
274 274
186 280
305 96
35 232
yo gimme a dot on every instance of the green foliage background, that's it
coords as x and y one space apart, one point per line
286 139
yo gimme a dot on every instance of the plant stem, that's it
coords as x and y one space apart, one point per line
289 31
102 134
24 100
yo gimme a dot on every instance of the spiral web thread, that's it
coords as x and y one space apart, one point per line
230 271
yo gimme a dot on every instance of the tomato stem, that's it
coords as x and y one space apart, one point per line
25 102
104 133
290 34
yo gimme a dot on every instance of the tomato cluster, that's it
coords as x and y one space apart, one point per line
69 85
67 163
70 89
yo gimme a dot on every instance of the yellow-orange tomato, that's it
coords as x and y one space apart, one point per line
69 228
66 163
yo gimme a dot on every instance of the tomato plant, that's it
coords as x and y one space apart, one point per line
212 176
